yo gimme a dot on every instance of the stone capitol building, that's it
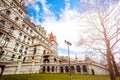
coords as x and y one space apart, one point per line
26 48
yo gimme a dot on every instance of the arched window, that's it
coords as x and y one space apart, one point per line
48 68
55 60
72 69
43 68
66 68
84 68
61 69
46 61
52 68
78 69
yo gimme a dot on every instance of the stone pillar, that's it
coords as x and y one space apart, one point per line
19 67
75 67
56 69
33 63
45 69
81 69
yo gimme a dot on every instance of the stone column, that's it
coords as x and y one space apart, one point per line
33 63
19 67
81 69
75 69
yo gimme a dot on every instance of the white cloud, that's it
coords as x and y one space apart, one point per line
67 28
37 8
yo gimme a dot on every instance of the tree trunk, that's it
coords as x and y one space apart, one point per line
115 66
110 66
110 61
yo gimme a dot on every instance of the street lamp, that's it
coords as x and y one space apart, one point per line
69 44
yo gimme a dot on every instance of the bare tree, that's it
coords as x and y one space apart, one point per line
103 29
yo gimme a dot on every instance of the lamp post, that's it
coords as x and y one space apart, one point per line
69 44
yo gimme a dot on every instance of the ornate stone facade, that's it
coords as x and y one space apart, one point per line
26 48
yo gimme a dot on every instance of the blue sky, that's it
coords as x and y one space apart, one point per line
56 7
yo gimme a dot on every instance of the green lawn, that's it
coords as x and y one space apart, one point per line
54 77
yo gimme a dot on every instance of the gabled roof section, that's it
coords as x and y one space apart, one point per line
51 37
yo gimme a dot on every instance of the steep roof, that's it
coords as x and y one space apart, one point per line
51 37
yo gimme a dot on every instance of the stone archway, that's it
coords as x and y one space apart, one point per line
48 68
61 69
66 69
84 68
78 68
43 68
52 68
72 69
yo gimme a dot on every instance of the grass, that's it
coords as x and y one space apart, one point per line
54 77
